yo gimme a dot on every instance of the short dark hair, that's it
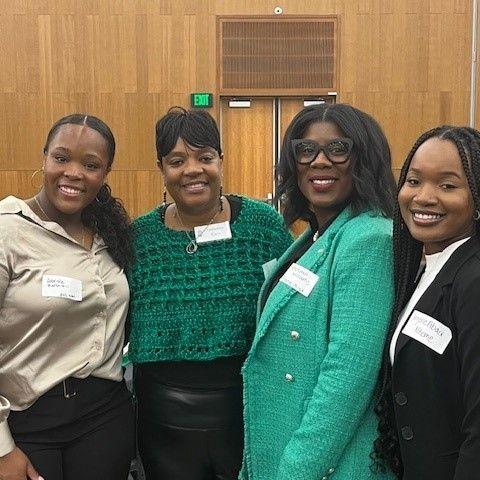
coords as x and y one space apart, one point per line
105 215
373 181
90 121
407 255
196 127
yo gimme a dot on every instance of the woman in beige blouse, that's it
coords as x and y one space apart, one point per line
65 413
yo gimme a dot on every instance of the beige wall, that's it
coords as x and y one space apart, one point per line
407 62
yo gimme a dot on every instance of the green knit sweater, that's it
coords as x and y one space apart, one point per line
200 306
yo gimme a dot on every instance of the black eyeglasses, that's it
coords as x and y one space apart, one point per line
337 151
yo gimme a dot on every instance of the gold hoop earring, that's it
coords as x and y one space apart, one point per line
33 176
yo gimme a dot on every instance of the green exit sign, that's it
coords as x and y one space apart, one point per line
201 100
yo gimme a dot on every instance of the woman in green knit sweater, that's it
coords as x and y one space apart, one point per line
194 288
324 309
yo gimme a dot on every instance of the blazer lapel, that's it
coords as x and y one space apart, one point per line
311 260
281 261
428 302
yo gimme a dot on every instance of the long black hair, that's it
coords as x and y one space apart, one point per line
373 181
407 256
106 214
196 127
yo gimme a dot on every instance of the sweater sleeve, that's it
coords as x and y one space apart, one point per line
362 296
468 330
281 238
6 441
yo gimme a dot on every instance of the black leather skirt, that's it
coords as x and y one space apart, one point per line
188 433
175 406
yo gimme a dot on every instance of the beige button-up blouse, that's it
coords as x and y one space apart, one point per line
62 310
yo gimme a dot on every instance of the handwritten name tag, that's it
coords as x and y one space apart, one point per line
213 233
62 287
427 330
300 279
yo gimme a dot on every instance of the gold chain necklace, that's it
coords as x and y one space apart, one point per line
50 220
192 246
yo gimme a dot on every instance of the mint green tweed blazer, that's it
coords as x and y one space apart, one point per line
310 376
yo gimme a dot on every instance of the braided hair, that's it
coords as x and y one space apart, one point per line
407 257
106 214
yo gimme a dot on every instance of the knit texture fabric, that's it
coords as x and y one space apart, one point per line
200 306
310 376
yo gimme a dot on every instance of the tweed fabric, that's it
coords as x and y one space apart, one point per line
310 376
200 306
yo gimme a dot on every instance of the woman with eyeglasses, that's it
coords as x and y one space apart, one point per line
324 309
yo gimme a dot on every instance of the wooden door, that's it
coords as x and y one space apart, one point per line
289 107
251 139
247 139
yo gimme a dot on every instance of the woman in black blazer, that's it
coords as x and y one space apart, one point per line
429 404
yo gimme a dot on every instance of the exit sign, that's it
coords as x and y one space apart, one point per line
201 100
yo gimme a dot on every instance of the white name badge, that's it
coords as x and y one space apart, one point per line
300 279
269 267
213 233
427 330
62 287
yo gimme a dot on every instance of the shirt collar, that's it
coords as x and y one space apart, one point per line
13 205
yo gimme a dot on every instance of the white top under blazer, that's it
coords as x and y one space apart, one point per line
434 263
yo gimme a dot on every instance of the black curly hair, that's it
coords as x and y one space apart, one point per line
106 214
407 257
373 181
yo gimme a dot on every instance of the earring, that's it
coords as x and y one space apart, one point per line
33 176
220 198
476 217
164 196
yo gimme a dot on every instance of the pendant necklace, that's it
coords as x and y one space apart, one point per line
192 246
50 220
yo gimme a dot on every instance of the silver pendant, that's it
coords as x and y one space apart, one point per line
192 247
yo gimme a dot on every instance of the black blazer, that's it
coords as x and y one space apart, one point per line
437 397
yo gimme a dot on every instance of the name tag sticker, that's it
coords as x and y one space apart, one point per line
213 233
62 287
269 267
427 330
300 279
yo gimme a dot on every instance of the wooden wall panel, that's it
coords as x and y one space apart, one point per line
407 62
140 190
157 53
19 182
